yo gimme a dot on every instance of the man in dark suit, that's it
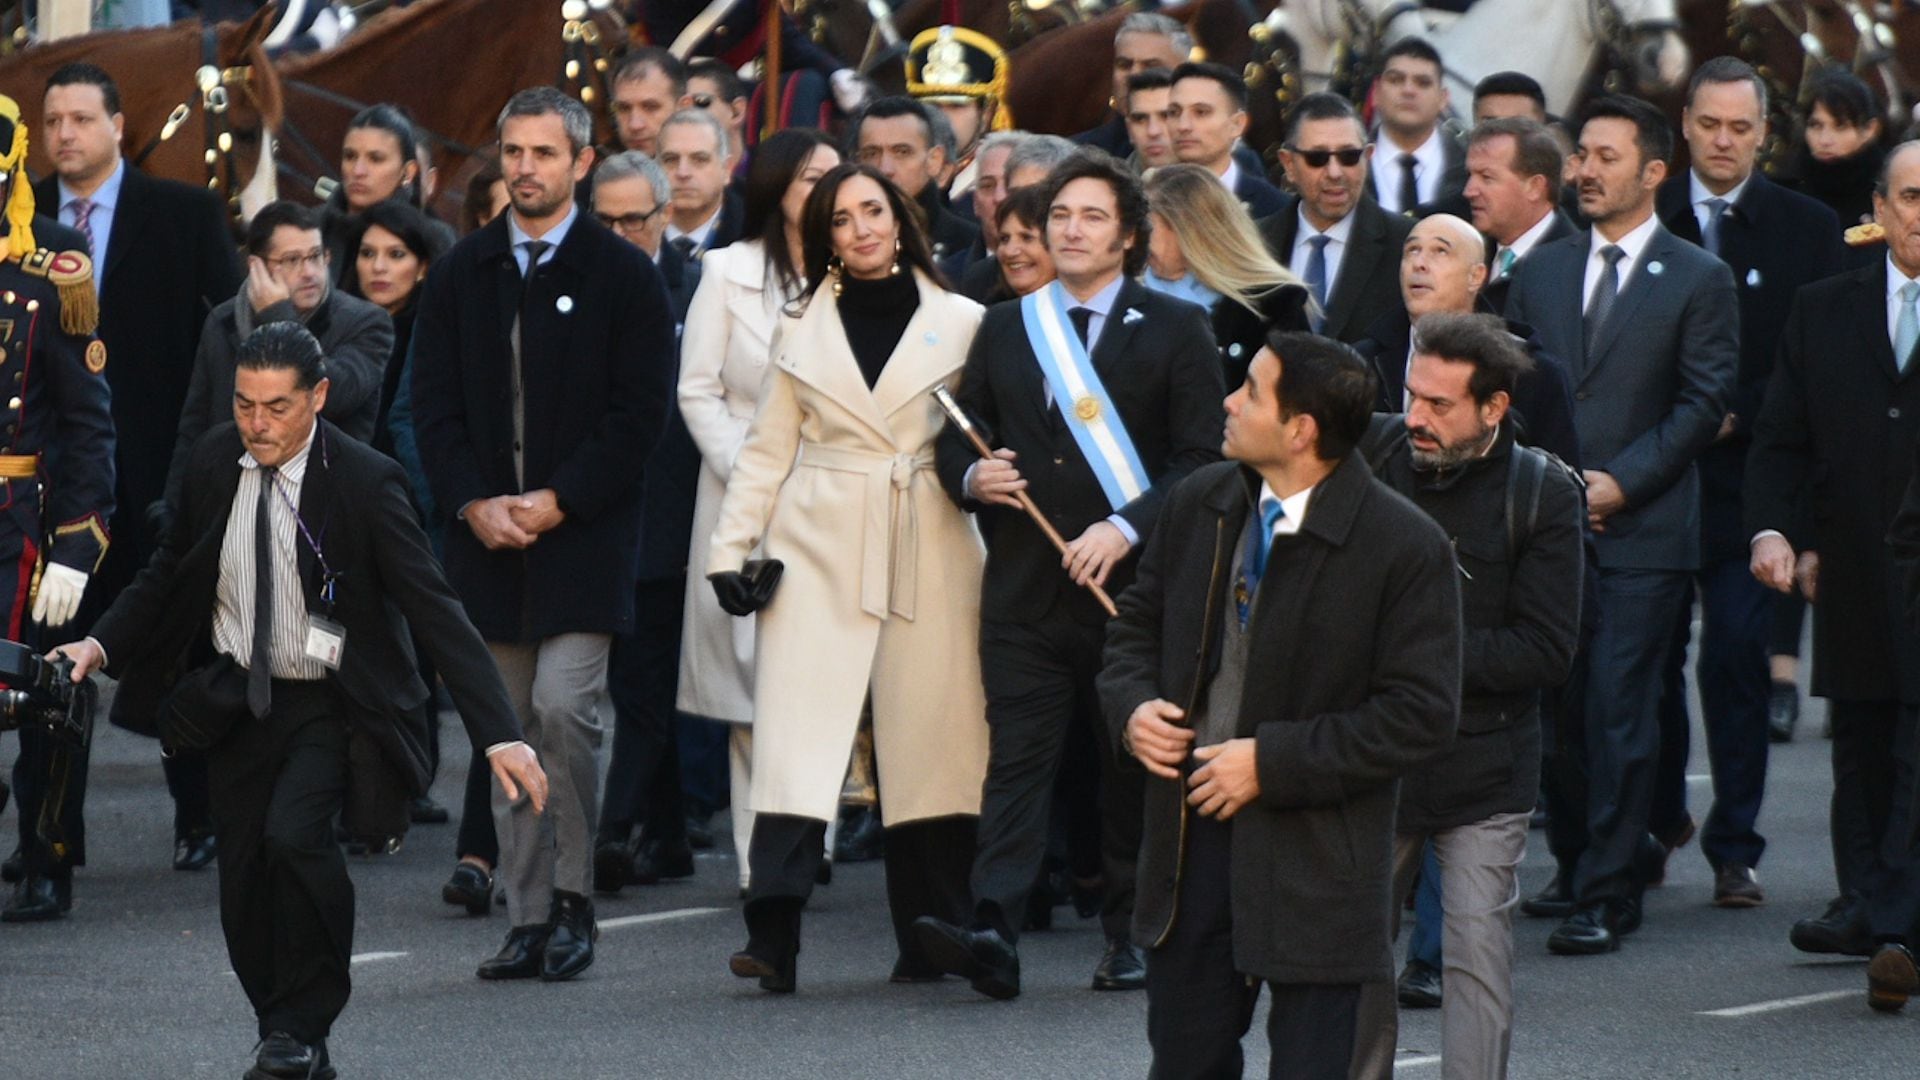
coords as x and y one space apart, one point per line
705 213
1290 648
542 373
1420 168
1832 455
1774 241
1332 235
1208 113
1513 182
163 257
1648 324
314 616
1145 41
1040 629
911 144
643 670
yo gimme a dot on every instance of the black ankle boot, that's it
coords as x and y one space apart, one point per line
773 944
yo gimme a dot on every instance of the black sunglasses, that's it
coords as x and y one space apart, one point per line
1317 159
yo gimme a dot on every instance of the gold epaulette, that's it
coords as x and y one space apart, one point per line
1862 235
72 275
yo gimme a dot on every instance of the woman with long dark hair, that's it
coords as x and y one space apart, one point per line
379 162
724 350
1841 145
880 596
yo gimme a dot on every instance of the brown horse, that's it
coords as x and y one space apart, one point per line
174 120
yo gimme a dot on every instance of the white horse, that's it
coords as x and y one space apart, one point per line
1555 41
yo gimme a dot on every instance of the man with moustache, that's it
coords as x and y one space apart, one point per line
1775 241
1832 456
1340 243
1513 187
1648 325
1103 394
542 376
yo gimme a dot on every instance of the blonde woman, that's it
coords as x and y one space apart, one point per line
1205 249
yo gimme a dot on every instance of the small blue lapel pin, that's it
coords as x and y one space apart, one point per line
1656 268
1753 278
932 338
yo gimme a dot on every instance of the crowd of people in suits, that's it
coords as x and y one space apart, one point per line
1062 521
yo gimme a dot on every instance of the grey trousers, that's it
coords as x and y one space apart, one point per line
556 686
1478 892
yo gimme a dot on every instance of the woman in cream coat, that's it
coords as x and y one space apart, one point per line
881 591
724 352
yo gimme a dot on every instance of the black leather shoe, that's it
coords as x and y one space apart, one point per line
1650 859
982 957
520 957
1593 929
424 811
699 833
656 862
861 837
570 944
39 898
822 874
1891 978
1736 886
1419 986
194 851
772 954
1840 930
1121 967
1553 902
612 867
1783 711
469 887
14 868
280 1055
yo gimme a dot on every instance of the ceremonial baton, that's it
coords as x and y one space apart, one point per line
959 417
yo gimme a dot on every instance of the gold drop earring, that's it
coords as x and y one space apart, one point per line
896 256
833 272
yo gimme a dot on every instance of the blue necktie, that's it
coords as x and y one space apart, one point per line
1710 236
1259 546
1316 277
1906 331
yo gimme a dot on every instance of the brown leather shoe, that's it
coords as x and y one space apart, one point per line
1736 886
1891 978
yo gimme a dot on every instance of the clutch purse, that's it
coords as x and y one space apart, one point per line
763 576
204 706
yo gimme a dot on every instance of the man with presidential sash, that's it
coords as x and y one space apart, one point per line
1101 395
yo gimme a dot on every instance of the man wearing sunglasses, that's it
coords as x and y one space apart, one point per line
287 281
1332 234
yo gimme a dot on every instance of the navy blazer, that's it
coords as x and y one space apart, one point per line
1368 283
1493 295
597 364
1651 394
673 472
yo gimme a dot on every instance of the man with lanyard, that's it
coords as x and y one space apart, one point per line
1103 394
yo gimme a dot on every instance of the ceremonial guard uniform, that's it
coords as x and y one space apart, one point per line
955 65
56 493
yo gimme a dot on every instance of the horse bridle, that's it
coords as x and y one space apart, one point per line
213 100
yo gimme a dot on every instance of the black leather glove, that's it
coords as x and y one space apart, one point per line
735 592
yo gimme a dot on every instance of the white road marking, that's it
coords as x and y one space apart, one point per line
1416 1062
370 957
1781 1003
658 917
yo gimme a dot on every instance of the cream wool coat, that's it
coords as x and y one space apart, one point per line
724 352
882 582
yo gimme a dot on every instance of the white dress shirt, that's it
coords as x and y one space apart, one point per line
1895 282
105 200
1293 508
1336 248
233 596
1634 244
1526 241
517 236
701 234
1698 194
1429 165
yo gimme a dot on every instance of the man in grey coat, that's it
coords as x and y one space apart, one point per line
1290 646
287 281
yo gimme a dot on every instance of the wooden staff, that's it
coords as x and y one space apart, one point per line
959 417
770 73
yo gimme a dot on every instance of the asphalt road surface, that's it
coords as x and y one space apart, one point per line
135 983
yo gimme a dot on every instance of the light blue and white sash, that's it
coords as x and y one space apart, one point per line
1083 400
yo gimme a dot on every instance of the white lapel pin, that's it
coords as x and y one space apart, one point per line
564 304
932 338
1132 316
1656 268
1753 278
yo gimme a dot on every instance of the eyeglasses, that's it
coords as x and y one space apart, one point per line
628 222
1317 159
287 264
702 101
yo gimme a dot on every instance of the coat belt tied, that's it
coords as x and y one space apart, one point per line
889 567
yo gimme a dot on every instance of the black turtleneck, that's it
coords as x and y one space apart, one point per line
875 314
1846 184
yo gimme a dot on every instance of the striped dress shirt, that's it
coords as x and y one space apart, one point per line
233 597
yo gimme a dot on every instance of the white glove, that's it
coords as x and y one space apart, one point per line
850 91
59 594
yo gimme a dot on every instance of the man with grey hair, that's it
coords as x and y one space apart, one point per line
1145 40
542 376
630 195
705 213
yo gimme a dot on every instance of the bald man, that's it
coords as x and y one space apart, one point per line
1443 268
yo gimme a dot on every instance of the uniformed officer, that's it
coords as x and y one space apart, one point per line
963 73
56 494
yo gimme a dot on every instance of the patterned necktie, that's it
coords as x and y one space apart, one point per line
1259 546
1507 259
1409 185
1316 277
1082 323
83 220
260 663
1906 332
1604 292
1710 236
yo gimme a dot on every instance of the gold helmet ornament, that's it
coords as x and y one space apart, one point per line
13 164
955 64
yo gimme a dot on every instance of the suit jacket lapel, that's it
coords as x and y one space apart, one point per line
1364 244
129 217
1871 318
1117 333
814 350
924 355
1633 291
